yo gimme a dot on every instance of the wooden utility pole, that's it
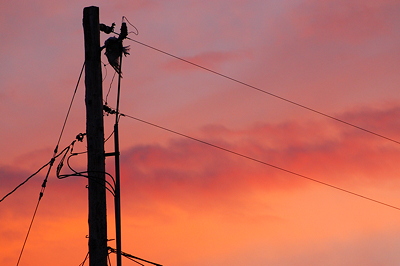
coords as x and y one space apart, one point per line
118 236
95 139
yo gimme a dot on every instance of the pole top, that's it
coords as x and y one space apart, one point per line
91 7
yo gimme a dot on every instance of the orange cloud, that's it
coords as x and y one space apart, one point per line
193 175
182 195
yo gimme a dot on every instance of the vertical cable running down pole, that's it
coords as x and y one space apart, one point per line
117 198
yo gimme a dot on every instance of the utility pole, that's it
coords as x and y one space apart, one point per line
95 139
118 235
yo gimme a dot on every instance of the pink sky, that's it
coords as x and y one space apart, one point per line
186 203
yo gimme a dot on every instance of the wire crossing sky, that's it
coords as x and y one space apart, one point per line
262 162
268 93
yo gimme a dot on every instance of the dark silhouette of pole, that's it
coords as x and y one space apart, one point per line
95 139
118 235
114 52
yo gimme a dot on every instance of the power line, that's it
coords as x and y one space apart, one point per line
79 137
132 258
85 174
29 229
37 205
50 164
266 92
264 163
32 175
26 180
70 105
109 88
86 257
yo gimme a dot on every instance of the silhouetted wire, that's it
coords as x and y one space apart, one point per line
70 105
137 31
69 150
112 133
135 261
37 205
29 230
84 174
62 131
109 88
108 258
40 197
50 164
131 257
26 180
266 92
264 163
105 68
32 175
83 262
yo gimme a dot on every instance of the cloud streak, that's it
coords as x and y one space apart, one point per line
328 152
164 185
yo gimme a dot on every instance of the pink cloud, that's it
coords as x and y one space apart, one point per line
208 59
329 152
353 21
185 188
188 173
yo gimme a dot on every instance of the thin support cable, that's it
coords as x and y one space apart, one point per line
265 163
50 164
84 261
32 175
109 260
133 258
37 206
70 105
268 93
109 88
29 229
26 180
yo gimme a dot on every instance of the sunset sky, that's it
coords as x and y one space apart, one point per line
185 202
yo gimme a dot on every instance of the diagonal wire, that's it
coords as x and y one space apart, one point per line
29 229
50 164
264 163
26 180
32 175
37 205
83 262
268 93
70 105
